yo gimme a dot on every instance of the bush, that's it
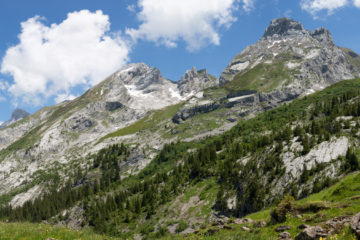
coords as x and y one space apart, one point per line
278 215
181 226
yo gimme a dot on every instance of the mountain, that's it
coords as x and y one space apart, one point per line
290 58
139 155
17 114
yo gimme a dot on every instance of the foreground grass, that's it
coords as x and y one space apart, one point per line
30 231
342 199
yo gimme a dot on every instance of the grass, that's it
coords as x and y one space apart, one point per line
341 199
353 58
29 231
263 77
149 122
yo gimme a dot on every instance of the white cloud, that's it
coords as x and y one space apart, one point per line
357 3
50 61
3 85
64 97
248 5
131 8
197 22
316 6
288 13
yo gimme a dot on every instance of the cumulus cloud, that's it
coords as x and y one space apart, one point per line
50 61
357 3
316 6
197 22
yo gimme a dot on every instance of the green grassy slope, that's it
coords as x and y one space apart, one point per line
30 231
264 77
342 199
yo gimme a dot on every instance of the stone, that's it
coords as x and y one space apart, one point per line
312 233
228 227
338 222
282 228
284 236
218 222
303 226
212 231
355 225
243 220
260 224
245 228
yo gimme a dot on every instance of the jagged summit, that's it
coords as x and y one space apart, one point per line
283 26
290 56
19 114
15 116
194 81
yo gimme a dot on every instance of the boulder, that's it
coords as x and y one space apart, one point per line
312 233
303 226
245 229
282 228
355 225
284 236
338 222
260 224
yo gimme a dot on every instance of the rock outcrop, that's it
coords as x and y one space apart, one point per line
195 81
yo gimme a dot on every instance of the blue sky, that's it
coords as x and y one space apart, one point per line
56 50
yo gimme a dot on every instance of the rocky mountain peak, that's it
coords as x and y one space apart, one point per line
139 74
309 60
282 27
19 114
323 36
195 81
15 116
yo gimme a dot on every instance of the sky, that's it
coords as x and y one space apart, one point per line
51 51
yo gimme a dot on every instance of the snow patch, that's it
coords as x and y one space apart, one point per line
176 94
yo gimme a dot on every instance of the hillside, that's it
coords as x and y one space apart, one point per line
218 176
319 209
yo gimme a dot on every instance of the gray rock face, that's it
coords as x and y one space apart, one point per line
355 225
195 81
187 113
